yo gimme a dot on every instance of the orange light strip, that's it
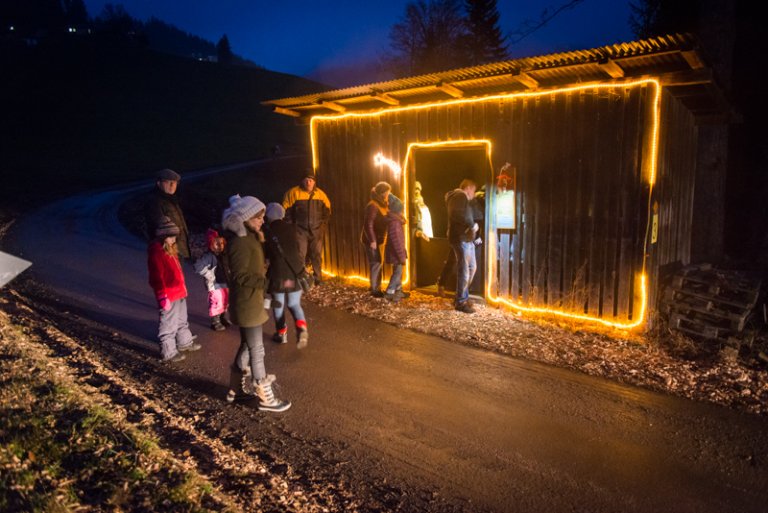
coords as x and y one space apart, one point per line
496 300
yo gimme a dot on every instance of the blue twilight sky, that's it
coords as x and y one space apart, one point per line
301 36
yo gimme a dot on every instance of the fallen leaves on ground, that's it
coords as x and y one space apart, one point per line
636 359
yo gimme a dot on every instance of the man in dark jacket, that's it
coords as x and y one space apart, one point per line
308 208
477 204
462 236
163 202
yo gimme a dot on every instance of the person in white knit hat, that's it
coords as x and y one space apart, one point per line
244 260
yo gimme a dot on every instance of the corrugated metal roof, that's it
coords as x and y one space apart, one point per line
649 57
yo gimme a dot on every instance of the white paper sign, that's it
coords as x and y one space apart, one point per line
10 267
505 210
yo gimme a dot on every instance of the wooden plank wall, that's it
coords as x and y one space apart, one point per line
581 203
674 190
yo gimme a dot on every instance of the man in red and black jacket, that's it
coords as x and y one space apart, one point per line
308 208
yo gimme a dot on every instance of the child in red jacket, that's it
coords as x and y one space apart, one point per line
167 280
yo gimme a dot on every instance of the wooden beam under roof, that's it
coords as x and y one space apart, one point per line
613 69
384 97
693 59
525 79
687 78
286 112
450 90
333 106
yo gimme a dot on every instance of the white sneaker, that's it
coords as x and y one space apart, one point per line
303 339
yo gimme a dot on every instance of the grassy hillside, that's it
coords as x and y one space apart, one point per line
85 114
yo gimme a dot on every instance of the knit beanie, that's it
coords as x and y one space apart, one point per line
210 237
166 228
274 211
395 205
241 209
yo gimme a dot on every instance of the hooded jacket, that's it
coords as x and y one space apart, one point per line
165 275
375 222
244 261
394 252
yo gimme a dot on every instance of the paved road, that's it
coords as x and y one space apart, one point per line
485 432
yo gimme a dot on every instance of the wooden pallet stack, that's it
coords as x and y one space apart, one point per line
710 303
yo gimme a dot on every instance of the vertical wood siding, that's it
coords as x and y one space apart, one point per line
674 191
582 206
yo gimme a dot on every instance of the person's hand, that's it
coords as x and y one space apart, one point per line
373 246
478 241
164 304
288 284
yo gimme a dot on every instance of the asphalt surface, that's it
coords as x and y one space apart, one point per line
484 432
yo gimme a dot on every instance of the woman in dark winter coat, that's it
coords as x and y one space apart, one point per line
374 233
285 266
394 252
244 259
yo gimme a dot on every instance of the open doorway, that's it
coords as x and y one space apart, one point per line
440 169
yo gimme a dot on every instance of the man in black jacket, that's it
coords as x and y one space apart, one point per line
163 202
462 236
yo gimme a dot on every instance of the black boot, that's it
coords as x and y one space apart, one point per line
216 324
240 384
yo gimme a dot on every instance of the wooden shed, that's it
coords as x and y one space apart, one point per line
602 147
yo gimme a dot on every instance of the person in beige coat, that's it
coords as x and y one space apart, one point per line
246 270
